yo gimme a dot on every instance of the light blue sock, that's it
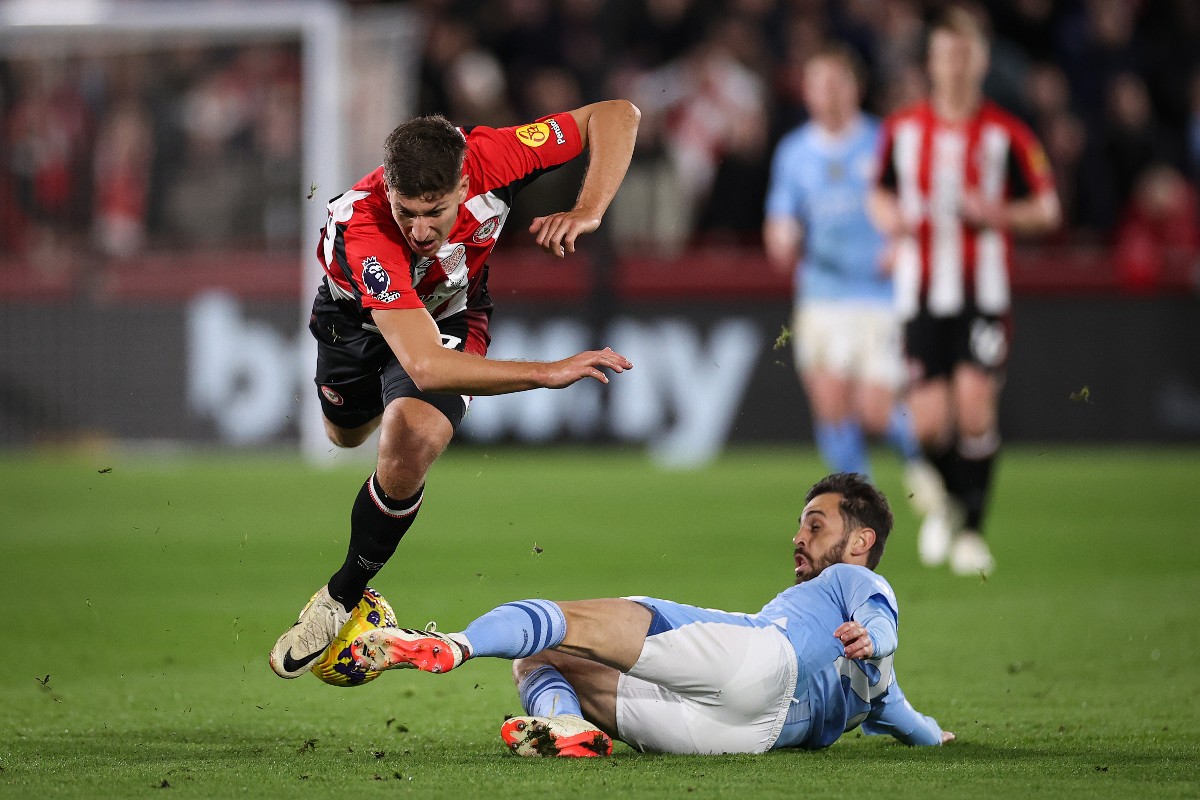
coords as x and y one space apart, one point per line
842 446
516 630
546 693
900 434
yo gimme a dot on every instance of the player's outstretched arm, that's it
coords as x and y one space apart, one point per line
894 715
417 343
588 364
608 130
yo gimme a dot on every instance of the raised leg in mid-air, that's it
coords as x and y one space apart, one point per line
567 659
413 434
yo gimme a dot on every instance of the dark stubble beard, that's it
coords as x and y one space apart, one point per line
834 556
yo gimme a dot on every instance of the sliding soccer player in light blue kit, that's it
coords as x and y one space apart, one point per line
846 335
815 662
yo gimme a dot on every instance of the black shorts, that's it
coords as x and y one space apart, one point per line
357 372
934 346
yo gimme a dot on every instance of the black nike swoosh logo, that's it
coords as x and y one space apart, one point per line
294 665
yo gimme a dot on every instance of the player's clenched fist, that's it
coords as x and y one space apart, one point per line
855 639
588 364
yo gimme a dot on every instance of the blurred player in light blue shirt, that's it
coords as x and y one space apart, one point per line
819 179
846 334
667 677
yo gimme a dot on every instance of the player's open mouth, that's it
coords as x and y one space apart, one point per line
801 562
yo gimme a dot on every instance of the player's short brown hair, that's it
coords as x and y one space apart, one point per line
840 51
424 156
960 21
861 506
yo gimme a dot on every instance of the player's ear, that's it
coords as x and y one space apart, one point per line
462 187
862 541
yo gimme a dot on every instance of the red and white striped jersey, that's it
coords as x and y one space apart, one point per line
931 164
367 260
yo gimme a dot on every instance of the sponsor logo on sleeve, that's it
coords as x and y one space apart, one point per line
535 134
485 230
374 277
1038 162
558 134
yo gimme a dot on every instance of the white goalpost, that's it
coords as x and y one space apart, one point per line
345 58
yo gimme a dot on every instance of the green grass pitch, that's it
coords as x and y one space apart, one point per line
140 597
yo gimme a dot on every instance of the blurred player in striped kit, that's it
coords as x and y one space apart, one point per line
847 337
958 175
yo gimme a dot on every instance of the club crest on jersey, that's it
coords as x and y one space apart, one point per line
332 396
375 277
485 230
535 134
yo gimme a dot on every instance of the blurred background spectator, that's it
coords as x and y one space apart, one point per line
110 156
1158 228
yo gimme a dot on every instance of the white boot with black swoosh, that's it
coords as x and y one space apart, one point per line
314 631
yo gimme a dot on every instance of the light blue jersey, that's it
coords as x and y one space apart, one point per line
823 183
833 694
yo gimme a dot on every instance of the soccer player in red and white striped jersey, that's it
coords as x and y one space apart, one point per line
401 319
958 176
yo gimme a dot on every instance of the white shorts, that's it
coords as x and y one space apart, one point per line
710 686
861 341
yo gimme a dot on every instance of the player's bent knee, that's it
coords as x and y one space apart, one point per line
348 437
977 418
341 439
405 456
400 477
610 631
